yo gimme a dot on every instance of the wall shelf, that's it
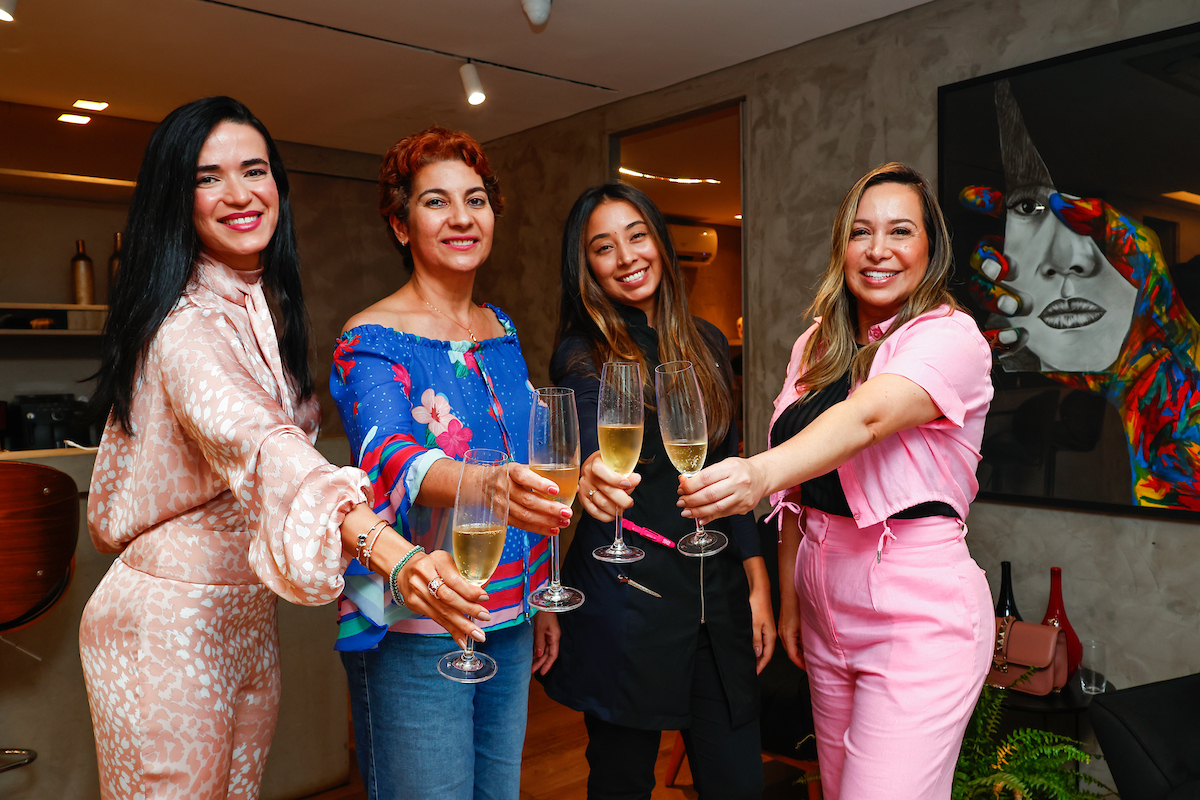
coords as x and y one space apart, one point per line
69 319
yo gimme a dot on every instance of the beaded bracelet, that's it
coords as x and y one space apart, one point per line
366 543
396 596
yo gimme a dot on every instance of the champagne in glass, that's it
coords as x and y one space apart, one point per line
480 522
619 428
684 429
554 454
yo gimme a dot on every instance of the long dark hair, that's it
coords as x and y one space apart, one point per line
161 247
831 349
585 308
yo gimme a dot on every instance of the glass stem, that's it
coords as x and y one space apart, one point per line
619 541
701 560
555 584
468 656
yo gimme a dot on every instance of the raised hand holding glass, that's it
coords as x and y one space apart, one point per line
479 526
684 427
554 454
619 427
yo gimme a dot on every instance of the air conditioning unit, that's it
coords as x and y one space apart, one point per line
695 246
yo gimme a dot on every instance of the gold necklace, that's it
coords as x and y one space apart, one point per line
470 332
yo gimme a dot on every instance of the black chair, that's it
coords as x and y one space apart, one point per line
1150 736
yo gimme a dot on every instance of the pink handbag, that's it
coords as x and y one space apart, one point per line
1023 645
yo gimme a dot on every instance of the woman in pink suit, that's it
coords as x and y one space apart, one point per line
207 482
874 444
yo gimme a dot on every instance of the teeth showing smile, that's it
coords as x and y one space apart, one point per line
878 275
634 277
246 220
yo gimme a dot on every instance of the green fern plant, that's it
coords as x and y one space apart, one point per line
1027 764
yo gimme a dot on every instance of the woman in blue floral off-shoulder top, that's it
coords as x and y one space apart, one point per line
420 378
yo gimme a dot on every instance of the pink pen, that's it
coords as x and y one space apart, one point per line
647 533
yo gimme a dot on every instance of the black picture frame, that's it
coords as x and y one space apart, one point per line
1119 124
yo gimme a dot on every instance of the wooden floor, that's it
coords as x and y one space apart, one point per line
554 767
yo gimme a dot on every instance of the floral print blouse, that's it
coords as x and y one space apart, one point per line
405 402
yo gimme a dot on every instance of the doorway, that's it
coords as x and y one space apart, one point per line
691 168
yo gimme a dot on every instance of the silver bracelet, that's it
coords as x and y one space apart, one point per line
396 596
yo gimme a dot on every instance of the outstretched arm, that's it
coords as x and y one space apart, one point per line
881 406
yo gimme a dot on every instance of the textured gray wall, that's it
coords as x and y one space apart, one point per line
815 117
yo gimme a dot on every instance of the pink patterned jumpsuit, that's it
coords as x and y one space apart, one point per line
217 504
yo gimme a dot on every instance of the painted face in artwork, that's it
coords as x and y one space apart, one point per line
1076 307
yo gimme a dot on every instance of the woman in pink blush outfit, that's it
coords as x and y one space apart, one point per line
874 444
207 482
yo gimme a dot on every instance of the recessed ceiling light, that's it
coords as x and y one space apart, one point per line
74 119
8 10
1187 197
90 105
634 173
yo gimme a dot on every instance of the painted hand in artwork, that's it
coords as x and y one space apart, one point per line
1081 292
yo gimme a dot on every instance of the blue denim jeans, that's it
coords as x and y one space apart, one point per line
424 737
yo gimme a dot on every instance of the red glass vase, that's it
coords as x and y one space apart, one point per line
1056 615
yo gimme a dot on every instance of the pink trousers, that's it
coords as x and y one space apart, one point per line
898 631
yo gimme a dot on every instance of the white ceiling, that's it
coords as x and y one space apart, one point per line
312 84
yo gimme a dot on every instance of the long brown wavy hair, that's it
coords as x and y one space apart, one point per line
832 350
585 308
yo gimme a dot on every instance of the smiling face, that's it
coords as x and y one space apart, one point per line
236 200
1076 307
622 255
450 220
887 254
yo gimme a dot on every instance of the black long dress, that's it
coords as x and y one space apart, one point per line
626 656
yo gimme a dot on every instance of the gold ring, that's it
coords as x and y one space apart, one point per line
591 493
436 584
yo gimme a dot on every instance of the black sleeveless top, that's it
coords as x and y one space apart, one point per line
825 492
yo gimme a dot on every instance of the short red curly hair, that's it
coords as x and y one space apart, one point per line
404 160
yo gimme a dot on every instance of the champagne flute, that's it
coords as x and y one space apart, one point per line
619 421
685 436
554 454
480 522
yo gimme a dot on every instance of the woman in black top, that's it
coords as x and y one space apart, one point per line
637 664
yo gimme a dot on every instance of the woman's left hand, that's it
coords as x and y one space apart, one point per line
529 506
732 486
546 634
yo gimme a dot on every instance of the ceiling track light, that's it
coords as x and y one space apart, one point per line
8 10
538 11
471 84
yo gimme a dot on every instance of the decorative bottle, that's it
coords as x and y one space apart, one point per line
82 276
1006 605
114 261
1056 615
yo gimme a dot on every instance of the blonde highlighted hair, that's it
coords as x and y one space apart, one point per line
832 349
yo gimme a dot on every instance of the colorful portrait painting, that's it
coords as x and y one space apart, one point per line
1073 191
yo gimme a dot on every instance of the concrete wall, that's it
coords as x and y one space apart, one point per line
815 117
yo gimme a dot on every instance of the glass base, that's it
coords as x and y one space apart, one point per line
556 601
625 555
702 543
458 668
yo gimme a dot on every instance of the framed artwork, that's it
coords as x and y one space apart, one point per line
1072 189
